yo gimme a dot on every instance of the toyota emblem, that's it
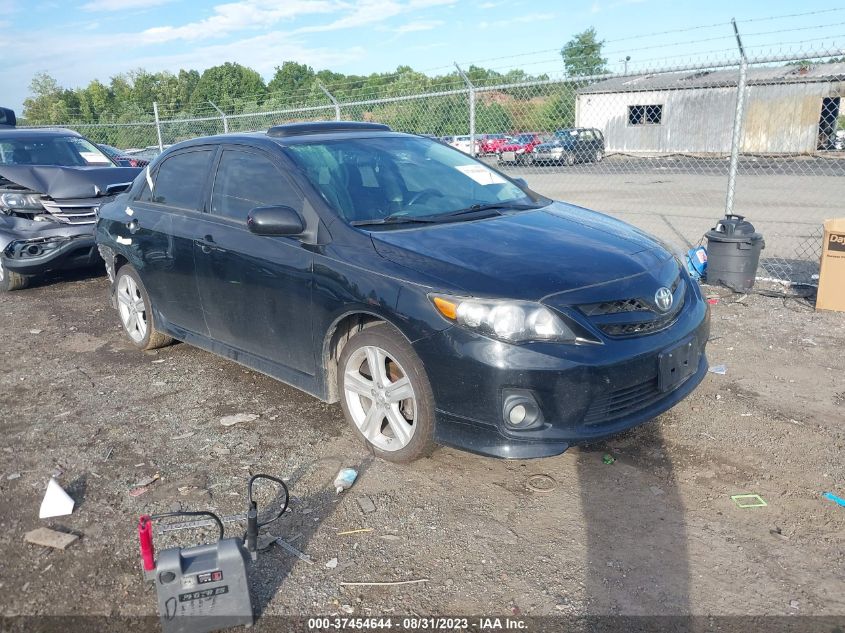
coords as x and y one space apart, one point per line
663 299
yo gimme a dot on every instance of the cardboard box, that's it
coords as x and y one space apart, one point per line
831 295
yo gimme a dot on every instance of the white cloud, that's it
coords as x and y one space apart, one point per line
121 5
373 11
238 16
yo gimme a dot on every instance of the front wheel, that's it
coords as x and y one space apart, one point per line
386 395
569 160
135 310
10 280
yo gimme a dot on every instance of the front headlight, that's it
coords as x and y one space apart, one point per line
21 201
511 321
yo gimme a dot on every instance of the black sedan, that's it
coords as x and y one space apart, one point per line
437 299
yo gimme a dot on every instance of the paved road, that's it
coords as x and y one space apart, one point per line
680 198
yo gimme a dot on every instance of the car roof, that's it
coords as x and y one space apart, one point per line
31 132
304 133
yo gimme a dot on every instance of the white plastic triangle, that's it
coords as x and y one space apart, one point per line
56 501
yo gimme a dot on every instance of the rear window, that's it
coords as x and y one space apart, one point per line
180 179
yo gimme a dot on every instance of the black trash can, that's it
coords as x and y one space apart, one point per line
733 253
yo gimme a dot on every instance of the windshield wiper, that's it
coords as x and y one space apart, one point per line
393 218
491 206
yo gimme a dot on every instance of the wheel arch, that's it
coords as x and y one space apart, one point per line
338 334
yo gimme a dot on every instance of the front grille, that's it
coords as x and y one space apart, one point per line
645 318
615 307
73 211
644 327
621 402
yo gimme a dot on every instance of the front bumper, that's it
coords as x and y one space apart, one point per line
39 255
585 392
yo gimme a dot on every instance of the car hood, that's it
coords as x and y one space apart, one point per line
556 145
526 255
512 147
68 182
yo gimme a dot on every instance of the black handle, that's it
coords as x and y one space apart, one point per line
206 243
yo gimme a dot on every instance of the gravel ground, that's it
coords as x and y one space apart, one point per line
655 532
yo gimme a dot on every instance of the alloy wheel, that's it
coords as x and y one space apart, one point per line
2 271
132 309
380 398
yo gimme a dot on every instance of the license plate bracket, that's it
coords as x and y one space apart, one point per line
677 364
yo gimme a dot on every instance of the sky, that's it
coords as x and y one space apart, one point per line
79 40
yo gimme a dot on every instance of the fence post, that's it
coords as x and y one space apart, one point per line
332 99
222 115
158 126
471 89
736 138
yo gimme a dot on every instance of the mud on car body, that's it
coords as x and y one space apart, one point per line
52 182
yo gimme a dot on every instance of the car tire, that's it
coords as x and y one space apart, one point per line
393 428
135 310
10 280
569 161
599 156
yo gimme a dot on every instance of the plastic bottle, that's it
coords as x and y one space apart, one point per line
345 478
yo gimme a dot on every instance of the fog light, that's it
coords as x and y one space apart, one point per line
517 415
520 409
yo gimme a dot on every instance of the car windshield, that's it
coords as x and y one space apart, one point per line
400 178
64 151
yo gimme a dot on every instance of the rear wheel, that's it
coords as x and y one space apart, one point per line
386 395
135 310
10 280
599 155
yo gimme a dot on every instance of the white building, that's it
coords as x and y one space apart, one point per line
788 110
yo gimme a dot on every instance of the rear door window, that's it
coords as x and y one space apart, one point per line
180 179
246 180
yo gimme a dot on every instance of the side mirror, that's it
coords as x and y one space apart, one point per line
521 182
275 221
7 117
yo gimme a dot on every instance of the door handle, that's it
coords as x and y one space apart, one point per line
133 226
206 244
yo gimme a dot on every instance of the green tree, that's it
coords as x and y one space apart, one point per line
44 100
582 55
292 78
229 86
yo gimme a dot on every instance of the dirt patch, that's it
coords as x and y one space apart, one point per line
653 533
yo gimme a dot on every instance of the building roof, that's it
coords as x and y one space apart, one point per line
718 78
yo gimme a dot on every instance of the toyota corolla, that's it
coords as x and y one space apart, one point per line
438 300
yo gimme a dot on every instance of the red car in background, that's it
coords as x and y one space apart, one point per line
492 143
520 144
122 158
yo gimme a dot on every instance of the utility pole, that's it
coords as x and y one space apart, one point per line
736 137
332 99
222 115
471 89
158 126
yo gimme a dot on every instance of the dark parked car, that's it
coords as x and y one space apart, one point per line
51 184
570 146
437 299
122 158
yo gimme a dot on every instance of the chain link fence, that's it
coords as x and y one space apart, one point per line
651 145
